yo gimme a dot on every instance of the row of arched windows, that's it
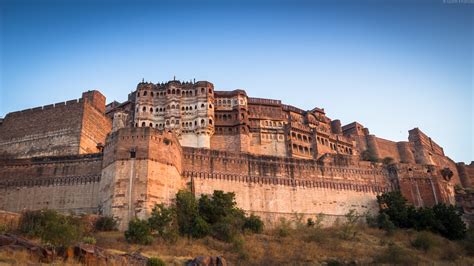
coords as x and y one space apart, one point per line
174 92
175 122
171 107
300 137
301 149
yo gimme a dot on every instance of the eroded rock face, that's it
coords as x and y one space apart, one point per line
207 261
16 243
84 253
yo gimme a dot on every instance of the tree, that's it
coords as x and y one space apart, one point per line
161 219
394 205
448 221
139 232
187 212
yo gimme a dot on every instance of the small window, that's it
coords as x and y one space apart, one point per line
210 121
151 124
143 124
144 109
202 105
133 154
144 93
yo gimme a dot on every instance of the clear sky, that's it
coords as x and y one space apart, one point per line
390 65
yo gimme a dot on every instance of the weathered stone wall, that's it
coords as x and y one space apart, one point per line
66 128
275 198
142 167
68 183
95 127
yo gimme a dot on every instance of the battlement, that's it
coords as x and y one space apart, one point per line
261 101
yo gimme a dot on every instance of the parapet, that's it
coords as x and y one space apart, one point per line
96 99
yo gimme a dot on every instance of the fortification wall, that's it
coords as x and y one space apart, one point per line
95 127
275 187
142 167
66 128
66 184
387 148
44 131
275 198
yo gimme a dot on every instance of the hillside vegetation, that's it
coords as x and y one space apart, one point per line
212 225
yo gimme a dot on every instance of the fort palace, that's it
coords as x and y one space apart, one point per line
120 159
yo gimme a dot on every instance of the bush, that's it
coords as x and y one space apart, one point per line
423 241
349 226
154 261
283 229
106 223
254 224
162 221
89 240
187 212
138 232
441 219
51 227
384 222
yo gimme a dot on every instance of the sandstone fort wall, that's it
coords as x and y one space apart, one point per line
67 183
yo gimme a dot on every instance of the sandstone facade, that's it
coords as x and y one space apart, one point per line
123 158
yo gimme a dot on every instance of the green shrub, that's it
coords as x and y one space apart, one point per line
89 240
154 261
200 228
138 232
254 224
441 219
162 220
423 241
384 223
53 228
106 223
187 211
349 227
283 229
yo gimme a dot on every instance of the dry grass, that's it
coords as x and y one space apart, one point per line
303 246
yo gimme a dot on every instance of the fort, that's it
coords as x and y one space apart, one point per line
121 159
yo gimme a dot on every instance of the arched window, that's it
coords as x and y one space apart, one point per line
138 94
182 124
144 109
210 121
202 122
178 92
202 105
151 109
182 108
156 110
173 91
210 106
143 124
144 93
136 124
151 124
195 107
172 121
195 123
202 90
168 91
151 93
172 106
167 122
187 108
168 107
210 90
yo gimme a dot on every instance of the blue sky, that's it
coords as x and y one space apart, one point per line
391 65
